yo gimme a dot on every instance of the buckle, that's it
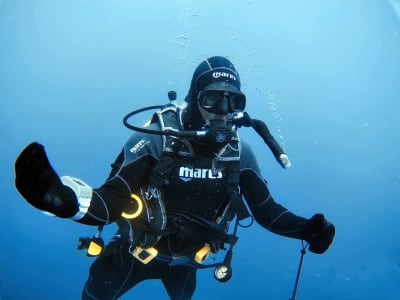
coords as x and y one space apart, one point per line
202 254
144 255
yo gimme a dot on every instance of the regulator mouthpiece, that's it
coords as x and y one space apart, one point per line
219 132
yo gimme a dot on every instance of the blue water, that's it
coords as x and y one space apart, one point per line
325 76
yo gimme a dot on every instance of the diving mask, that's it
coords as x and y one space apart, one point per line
221 102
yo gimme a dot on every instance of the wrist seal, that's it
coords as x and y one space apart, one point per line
83 193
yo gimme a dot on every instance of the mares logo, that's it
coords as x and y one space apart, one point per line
187 174
139 145
224 74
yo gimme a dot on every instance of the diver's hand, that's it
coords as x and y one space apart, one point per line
34 174
319 233
40 185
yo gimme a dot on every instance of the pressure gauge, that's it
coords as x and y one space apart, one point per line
223 273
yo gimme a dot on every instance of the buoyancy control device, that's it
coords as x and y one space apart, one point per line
147 214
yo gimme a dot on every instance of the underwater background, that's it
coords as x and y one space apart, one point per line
324 75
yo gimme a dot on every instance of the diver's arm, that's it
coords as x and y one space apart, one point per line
69 197
317 230
109 200
266 211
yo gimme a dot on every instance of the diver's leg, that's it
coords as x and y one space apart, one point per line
180 282
113 272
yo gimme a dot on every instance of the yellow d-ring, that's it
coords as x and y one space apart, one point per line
138 211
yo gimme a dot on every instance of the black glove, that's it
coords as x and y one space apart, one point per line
40 185
319 233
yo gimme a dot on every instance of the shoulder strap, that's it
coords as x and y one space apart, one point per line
170 119
161 172
232 190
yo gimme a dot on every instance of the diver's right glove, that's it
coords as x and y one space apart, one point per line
319 233
40 185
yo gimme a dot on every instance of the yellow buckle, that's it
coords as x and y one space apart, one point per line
145 255
202 254
94 249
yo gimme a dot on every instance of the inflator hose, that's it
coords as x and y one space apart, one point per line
262 129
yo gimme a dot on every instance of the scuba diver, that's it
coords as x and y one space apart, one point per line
178 191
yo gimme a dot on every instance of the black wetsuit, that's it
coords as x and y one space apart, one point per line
197 192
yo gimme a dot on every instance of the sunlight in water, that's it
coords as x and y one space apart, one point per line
396 7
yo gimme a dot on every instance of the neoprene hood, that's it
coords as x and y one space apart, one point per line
214 73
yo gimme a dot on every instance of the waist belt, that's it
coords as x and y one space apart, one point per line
147 255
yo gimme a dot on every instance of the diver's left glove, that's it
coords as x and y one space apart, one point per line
319 233
40 185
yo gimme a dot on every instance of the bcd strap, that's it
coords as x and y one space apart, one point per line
214 231
233 193
161 172
169 120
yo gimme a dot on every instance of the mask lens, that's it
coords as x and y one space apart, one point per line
211 100
237 102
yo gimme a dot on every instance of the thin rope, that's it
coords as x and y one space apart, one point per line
296 284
